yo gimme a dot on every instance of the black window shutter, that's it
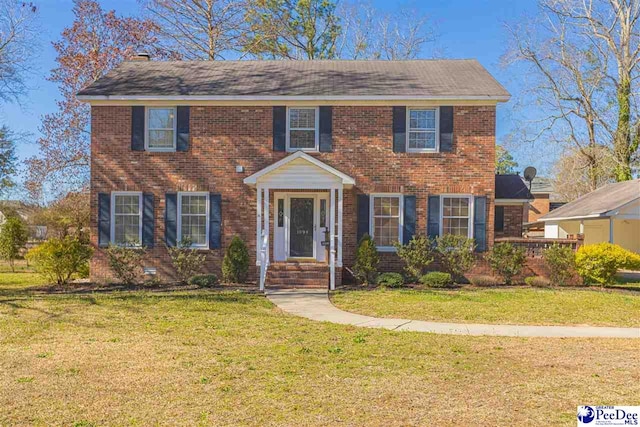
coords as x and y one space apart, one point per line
409 227
363 215
399 129
137 128
148 220
446 129
325 129
433 217
480 223
215 221
104 219
171 219
499 218
182 143
279 128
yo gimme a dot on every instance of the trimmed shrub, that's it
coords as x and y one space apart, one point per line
186 261
235 265
391 280
537 282
367 260
482 280
561 262
60 259
204 280
125 262
599 263
455 254
13 237
417 255
506 260
436 279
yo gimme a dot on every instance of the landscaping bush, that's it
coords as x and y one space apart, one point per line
186 261
482 280
125 262
235 265
391 280
59 259
436 279
204 280
537 282
367 260
455 254
506 260
13 237
417 255
561 262
598 263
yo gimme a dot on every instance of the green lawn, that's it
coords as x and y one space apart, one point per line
232 358
535 306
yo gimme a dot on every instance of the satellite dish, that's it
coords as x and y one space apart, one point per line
530 173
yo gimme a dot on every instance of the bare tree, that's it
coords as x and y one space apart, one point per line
17 35
574 172
370 34
199 29
582 57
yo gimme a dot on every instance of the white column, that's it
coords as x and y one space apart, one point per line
332 239
340 227
610 229
258 224
266 220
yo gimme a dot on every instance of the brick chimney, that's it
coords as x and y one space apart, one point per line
141 56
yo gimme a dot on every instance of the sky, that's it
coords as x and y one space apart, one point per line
465 28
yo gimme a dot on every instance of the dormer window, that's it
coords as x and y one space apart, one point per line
161 129
302 128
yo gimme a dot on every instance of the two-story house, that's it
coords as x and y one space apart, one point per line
298 158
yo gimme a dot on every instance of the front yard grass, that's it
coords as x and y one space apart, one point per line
561 306
232 358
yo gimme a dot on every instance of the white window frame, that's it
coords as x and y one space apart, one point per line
437 130
112 237
316 129
372 225
471 210
179 224
147 130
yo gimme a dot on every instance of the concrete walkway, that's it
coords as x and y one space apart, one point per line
314 304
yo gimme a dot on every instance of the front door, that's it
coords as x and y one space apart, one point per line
302 227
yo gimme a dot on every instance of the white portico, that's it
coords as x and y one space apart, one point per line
307 211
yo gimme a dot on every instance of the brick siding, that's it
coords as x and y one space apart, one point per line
513 220
538 207
223 137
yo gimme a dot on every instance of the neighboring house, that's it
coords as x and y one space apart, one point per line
286 155
545 199
27 213
608 214
512 205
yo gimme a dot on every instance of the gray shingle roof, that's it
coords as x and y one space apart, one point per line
598 202
511 187
463 78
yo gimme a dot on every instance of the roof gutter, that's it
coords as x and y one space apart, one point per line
495 98
568 218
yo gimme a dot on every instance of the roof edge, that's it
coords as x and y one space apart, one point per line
494 98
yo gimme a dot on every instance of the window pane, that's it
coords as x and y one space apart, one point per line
455 215
302 118
127 204
161 118
422 119
196 205
422 140
386 231
302 139
127 229
194 229
161 138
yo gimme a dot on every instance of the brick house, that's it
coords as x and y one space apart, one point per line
513 201
298 158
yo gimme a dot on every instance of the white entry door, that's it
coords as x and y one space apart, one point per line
300 225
